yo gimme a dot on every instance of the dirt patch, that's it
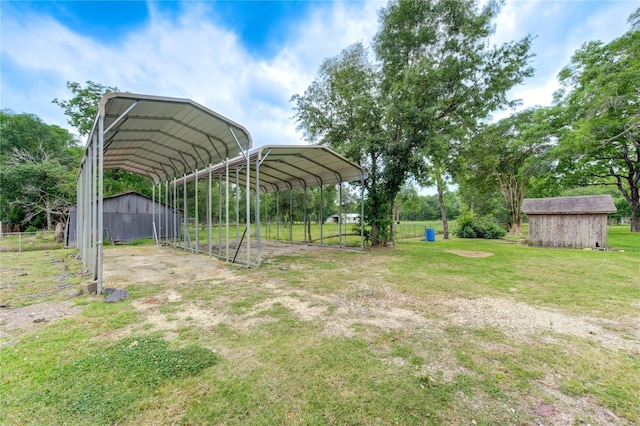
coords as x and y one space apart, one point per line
367 302
28 318
519 320
469 253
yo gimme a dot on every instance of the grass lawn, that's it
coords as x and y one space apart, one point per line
452 332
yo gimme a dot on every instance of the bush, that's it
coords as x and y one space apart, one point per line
471 226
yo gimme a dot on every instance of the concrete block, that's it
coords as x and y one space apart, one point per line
89 287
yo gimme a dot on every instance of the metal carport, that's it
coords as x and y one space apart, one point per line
174 141
154 136
273 169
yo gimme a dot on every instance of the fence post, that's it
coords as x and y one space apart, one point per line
19 242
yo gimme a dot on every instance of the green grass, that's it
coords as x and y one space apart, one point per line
267 362
29 241
621 239
582 282
105 385
39 276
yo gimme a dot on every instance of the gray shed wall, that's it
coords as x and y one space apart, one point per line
568 231
129 217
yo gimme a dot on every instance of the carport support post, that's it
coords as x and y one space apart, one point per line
176 232
219 215
291 215
197 246
88 198
166 212
340 221
159 213
304 230
94 210
321 217
258 210
186 211
248 208
278 215
209 242
88 232
226 202
237 209
153 212
100 197
79 207
362 212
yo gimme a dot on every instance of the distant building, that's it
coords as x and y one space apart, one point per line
571 222
346 218
128 217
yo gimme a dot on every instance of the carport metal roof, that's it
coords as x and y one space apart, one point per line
290 167
164 138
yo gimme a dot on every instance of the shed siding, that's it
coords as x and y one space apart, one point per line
128 217
568 231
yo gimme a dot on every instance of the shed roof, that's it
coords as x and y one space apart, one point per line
285 167
591 204
164 137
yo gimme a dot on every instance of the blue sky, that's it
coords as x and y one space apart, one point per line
243 59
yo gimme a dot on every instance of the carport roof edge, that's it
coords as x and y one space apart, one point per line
284 167
164 137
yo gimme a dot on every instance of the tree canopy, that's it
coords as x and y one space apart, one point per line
82 108
434 75
600 100
38 167
507 154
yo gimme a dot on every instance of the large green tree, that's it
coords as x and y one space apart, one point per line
600 94
341 109
508 154
38 164
434 76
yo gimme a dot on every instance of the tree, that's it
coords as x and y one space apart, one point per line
341 109
600 143
45 185
509 153
435 77
38 164
440 77
82 108
81 111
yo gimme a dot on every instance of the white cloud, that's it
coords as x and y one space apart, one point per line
188 56
193 56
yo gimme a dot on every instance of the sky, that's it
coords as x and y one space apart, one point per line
244 59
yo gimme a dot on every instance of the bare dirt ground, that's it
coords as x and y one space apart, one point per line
376 306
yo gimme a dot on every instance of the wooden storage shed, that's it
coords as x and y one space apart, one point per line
570 222
130 216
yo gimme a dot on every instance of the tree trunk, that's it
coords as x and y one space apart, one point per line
393 223
515 228
47 208
635 216
512 192
374 234
443 209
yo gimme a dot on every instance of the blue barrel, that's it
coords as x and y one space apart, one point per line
430 234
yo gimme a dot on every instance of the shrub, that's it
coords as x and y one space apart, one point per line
471 226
